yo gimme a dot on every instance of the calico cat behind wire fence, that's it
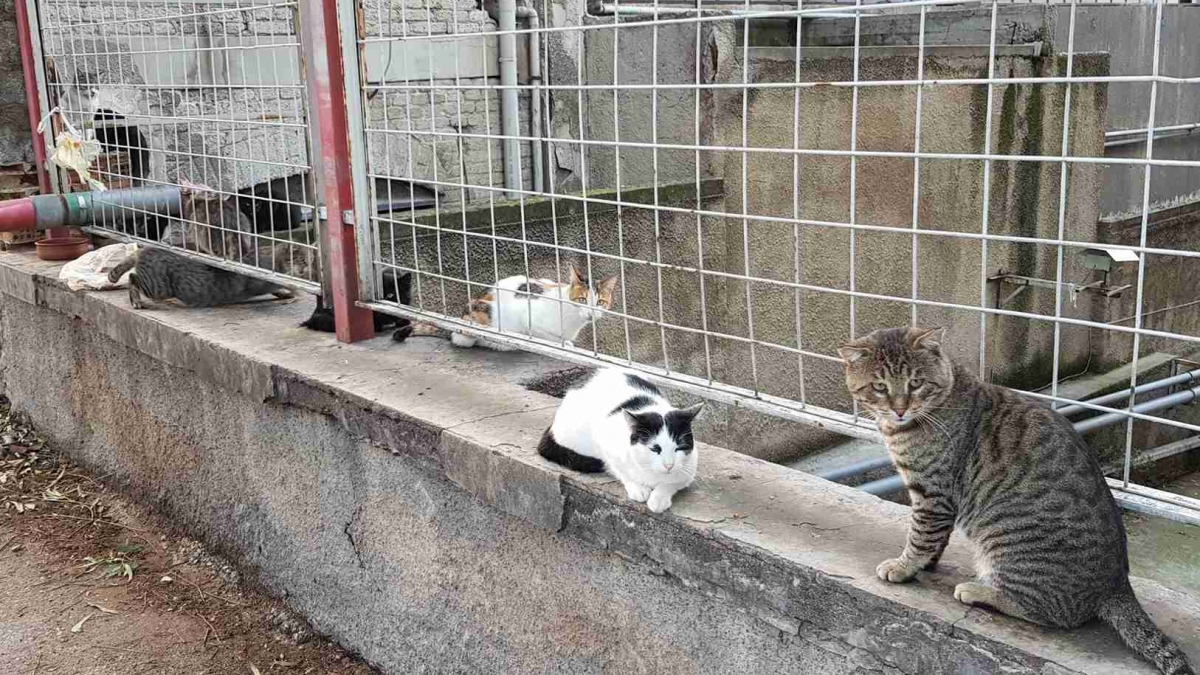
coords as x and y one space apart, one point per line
542 308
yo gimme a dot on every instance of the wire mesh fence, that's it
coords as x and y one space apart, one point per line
716 194
761 184
207 96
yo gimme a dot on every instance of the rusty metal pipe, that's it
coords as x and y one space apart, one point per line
77 209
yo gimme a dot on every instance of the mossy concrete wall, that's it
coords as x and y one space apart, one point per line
393 495
1023 201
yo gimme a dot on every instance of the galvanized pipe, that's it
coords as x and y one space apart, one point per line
111 206
895 483
1160 403
509 122
535 99
862 466
1182 378
883 486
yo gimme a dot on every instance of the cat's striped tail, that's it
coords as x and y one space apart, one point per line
551 450
1125 614
115 274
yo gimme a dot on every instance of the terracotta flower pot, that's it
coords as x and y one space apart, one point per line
62 248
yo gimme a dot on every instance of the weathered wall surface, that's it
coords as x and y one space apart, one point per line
219 92
1127 33
1024 201
404 511
15 143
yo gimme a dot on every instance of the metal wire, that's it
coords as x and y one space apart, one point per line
725 287
208 96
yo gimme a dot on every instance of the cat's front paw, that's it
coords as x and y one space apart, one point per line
896 570
637 493
659 501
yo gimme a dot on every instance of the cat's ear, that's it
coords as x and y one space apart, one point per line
604 289
851 353
689 413
632 420
576 277
928 339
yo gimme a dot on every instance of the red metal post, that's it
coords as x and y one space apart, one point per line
32 101
325 76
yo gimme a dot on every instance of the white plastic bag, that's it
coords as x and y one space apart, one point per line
90 270
75 151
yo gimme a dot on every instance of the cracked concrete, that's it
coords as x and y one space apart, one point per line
393 494
350 537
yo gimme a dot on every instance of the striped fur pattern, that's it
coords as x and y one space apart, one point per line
541 308
160 275
619 422
1015 477
211 223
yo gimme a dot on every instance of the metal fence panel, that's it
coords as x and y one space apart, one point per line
205 95
768 182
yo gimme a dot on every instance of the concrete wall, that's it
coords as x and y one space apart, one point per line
203 81
391 493
1169 304
1127 33
16 145
1024 201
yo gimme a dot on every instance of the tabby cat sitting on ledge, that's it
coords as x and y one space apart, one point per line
1015 477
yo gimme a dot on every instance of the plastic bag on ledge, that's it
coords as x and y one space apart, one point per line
90 270
75 151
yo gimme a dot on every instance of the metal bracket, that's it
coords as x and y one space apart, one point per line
1022 283
348 217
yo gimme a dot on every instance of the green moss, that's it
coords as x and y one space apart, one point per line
1029 174
979 101
479 215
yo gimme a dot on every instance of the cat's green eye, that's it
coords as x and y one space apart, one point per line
879 387
916 383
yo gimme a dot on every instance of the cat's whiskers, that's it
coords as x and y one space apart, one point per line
934 423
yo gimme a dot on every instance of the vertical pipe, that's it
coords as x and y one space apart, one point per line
509 127
535 102
32 97
325 80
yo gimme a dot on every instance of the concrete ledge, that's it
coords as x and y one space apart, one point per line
393 494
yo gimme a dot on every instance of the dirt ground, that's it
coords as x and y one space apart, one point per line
95 585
